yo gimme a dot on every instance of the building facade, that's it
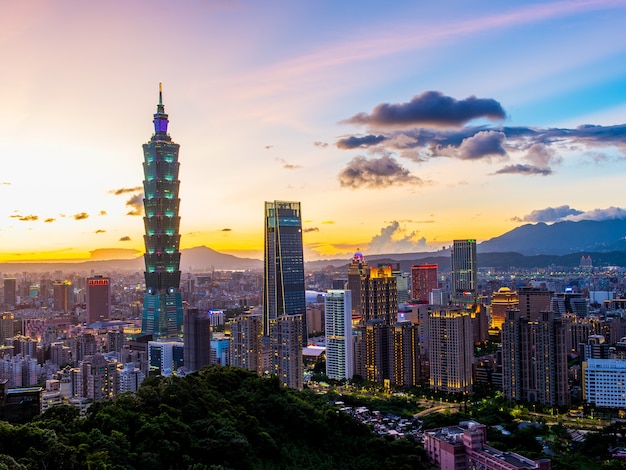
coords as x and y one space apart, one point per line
464 270
339 342
246 344
98 299
283 292
162 314
197 339
286 350
424 279
450 350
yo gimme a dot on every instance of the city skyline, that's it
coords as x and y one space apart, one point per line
398 129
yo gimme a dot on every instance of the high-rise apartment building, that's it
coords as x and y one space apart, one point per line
406 363
357 270
424 279
534 358
163 306
464 270
10 291
197 339
451 350
378 359
246 345
379 295
98 299
339 342
283 292
286 350
533 301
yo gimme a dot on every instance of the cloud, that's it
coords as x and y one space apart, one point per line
599 214
267 147
520 169
286 165
102 213
121 191
353 142
482 144
6 183
431 108
135 203
565 212
320 144
25 218
551 214
227 230
394 239
125 239
328 222
49 220
100 231
372 173
311 229
81 216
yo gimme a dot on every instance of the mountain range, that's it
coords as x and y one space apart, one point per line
527 246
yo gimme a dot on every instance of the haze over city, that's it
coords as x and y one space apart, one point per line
399 127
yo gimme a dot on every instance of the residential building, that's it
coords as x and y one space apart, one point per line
424 279
197 339
246 344
339 343
98 299
286 350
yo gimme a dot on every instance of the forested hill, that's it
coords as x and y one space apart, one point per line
216 419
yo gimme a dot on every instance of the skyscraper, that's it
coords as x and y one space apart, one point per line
339 342
283 292
464 271
98 299
162 306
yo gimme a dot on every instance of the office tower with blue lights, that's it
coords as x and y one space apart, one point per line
283 292
464 271
162 314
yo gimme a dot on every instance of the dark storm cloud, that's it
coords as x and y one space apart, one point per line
125 239
521 169
311 229
81 216
431 108
354 142
135 203
120 191
25 218
551 214
362 172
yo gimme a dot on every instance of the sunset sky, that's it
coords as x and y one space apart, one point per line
399 126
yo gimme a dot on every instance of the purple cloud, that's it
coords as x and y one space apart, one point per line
382 172
431 108
354 142
520 169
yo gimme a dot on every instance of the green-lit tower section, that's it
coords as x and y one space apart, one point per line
162 306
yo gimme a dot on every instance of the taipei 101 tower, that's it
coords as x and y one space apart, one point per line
162 305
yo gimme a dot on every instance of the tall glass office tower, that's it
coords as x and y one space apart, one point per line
162 306
283 292
464 272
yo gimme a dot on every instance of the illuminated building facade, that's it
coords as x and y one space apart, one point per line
464 270
379 295
246 343
283 292
163 306
423 282
357 270
501 301
98 299
451 350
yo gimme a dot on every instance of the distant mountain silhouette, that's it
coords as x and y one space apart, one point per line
527 246
561 238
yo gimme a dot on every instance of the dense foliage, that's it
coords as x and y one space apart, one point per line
219 418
